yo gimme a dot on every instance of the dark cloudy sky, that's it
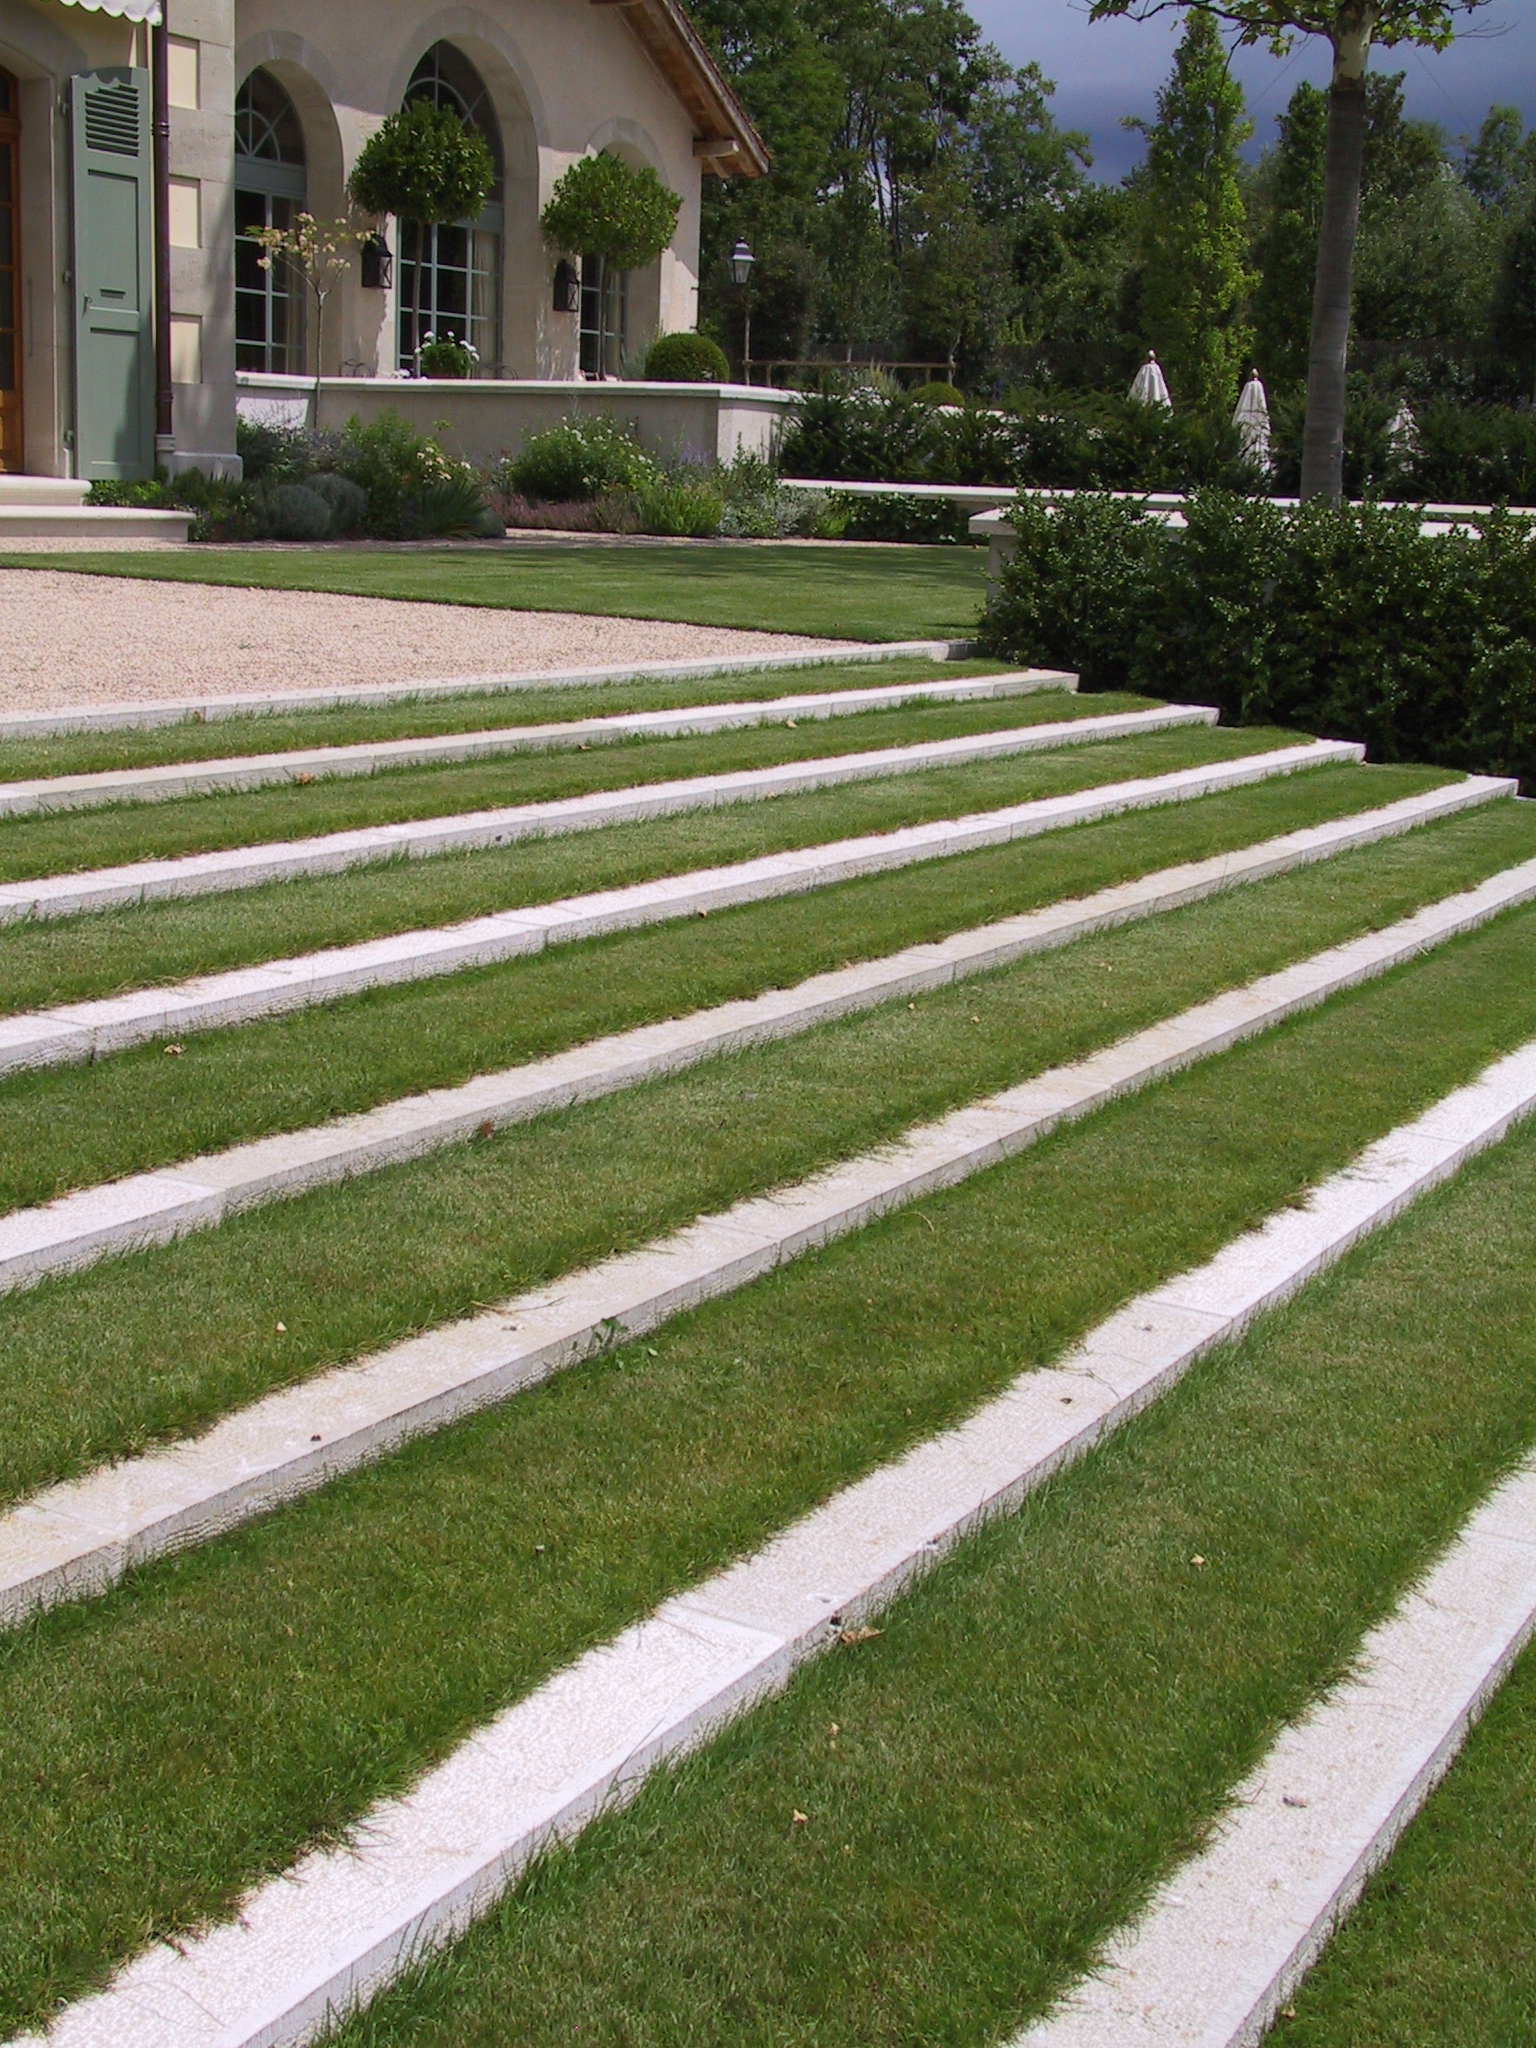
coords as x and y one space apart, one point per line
1109 68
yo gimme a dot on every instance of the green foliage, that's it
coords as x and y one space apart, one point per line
347 500
1514 304
1193 227
601 207
448 357
400 469
581 459
1290 207
681 505
909 163
686 359
1345 621
295 512
423 164
1501 164
1079 441
936 393
1277 23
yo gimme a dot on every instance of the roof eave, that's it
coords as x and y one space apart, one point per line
726 143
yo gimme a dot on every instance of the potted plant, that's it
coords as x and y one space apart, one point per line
448 357
604 210
423 165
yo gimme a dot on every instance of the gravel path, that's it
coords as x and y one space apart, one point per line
67 640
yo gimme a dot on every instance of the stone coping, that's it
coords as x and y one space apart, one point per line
78 1537
324 1937
72 1032
243 704
372 757
154 1207
1228 1939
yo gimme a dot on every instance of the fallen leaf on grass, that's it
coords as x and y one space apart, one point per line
799 1819
173 1052
864 1634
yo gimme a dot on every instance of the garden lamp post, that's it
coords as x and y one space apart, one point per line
742 261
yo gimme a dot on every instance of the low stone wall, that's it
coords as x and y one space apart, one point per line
482 419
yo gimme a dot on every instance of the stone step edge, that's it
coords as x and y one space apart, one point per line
198 874
88 1030
321 1939
77 1538
158 1205
1228 1939
145 713
165 781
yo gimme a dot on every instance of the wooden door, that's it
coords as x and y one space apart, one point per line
10 276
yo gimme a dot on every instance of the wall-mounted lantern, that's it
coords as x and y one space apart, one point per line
567 287
378 265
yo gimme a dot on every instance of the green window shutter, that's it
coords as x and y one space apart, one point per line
114 273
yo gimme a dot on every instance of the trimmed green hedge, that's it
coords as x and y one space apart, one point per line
1345 621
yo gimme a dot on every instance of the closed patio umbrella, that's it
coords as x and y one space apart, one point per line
1149 386
1251 420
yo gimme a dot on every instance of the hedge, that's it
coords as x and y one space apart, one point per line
1345 621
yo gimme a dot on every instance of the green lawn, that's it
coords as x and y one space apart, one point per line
1032 1742
67 959
69 1127
1049 1724
268 732
842 593
60 842
95 1364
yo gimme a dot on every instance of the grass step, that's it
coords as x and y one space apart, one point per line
57 960
201 777
83 1537
265 707
1442 1946
426 1593
350 1919
98 1364
194 1194
1221 1950
88 1030
1053 1719
73 1127
67 840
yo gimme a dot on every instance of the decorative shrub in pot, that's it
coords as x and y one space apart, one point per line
448 357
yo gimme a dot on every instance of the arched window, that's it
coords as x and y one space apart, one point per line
461 260
269 191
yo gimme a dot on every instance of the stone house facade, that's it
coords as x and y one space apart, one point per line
127 133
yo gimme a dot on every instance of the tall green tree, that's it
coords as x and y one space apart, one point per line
1514 304
1350 27
1285 248
906 156
1194 224
1416 259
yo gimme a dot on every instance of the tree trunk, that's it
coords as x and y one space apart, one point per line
1322 455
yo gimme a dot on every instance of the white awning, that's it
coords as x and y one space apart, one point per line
130 10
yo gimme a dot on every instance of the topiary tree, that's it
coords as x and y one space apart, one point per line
423 165
686 358
602 209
